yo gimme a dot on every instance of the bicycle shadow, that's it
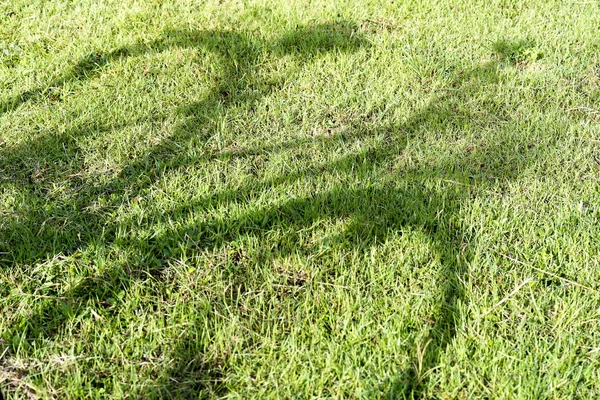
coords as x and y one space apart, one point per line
404 200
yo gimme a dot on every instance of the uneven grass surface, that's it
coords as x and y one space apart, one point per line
361 199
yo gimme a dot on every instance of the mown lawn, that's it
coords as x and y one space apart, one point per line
260 199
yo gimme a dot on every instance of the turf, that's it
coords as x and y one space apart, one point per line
258 199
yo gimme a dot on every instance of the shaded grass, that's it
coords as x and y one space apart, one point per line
284 206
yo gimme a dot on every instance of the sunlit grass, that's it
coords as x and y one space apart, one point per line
327 199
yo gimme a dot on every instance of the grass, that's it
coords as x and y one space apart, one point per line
262 199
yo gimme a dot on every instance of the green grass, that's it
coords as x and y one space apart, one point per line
361 199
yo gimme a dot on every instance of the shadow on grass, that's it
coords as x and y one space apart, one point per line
405 200
50 224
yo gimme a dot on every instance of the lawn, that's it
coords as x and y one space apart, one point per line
260 199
